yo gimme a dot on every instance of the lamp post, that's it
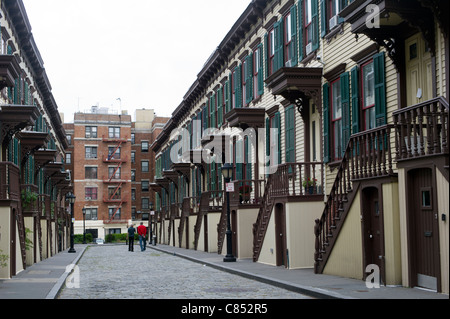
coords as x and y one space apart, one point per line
71 199
226 172
84 225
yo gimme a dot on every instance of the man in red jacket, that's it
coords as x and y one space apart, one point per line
142 231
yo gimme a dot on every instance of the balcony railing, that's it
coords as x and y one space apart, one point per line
9 181
422 130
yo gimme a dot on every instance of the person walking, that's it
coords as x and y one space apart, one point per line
131 232
142 232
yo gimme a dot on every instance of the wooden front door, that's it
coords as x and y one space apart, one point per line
423 230
280 235
419 82
373 229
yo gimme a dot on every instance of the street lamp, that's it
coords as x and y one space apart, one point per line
71 199
227 170
84 225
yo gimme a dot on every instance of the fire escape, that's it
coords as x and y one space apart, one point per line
115 176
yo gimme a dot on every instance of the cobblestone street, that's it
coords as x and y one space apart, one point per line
111 272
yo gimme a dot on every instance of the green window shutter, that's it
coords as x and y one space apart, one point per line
279 45
355 100
219 107
293 54
213 176
266 55
323 17
346 119
261 70
219 177
238 87
290 134
228 94
315 22
249 79
326 122
16 91
300 31
268 140
212 107
208 113
204 118
278 126
380 89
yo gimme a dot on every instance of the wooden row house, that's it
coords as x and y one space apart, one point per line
334 115
34 223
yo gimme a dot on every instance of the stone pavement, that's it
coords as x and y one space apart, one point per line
46 279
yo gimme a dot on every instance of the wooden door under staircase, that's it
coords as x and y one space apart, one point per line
423 230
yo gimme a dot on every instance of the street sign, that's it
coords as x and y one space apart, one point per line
230 187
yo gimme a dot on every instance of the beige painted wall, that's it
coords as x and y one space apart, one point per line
392 239
29 223
4 239
443 208
246 219
268 250
346 258
19 260
213 221
300 221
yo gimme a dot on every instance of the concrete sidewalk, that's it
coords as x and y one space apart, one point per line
303 281
42 280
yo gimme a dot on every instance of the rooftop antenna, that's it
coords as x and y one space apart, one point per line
119 99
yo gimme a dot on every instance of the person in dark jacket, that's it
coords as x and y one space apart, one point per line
131 232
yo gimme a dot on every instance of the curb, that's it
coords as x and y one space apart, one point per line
53 294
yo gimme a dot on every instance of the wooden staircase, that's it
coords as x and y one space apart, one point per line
262 222
204 206
368 155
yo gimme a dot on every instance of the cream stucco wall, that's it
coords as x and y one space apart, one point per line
246 219
29 223
268 250
346 258
443 209
300 221
4 239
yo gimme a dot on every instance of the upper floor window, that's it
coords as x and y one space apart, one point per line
368 92
90 172
114 132
310 26
68 158
91 132
336 119
258 77
90 193
90 152
133 138
144 146
271 51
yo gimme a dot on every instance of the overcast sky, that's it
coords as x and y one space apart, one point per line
145 52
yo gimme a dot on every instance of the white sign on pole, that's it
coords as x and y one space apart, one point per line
230 187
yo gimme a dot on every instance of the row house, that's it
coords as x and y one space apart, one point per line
112 167
34 221
334 116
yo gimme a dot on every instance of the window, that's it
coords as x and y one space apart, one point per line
90 172
145 186
271 53
114 213
90 152
133 175
133 138
288 37
258 76
310 26
90 193
69 139
114 172
368 95
145 203
336 119
68 158
144 167
113 153
91 132
133 157
91 214
114 132
114 193
144 146
273 139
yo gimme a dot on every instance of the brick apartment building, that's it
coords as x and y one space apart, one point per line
112 165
